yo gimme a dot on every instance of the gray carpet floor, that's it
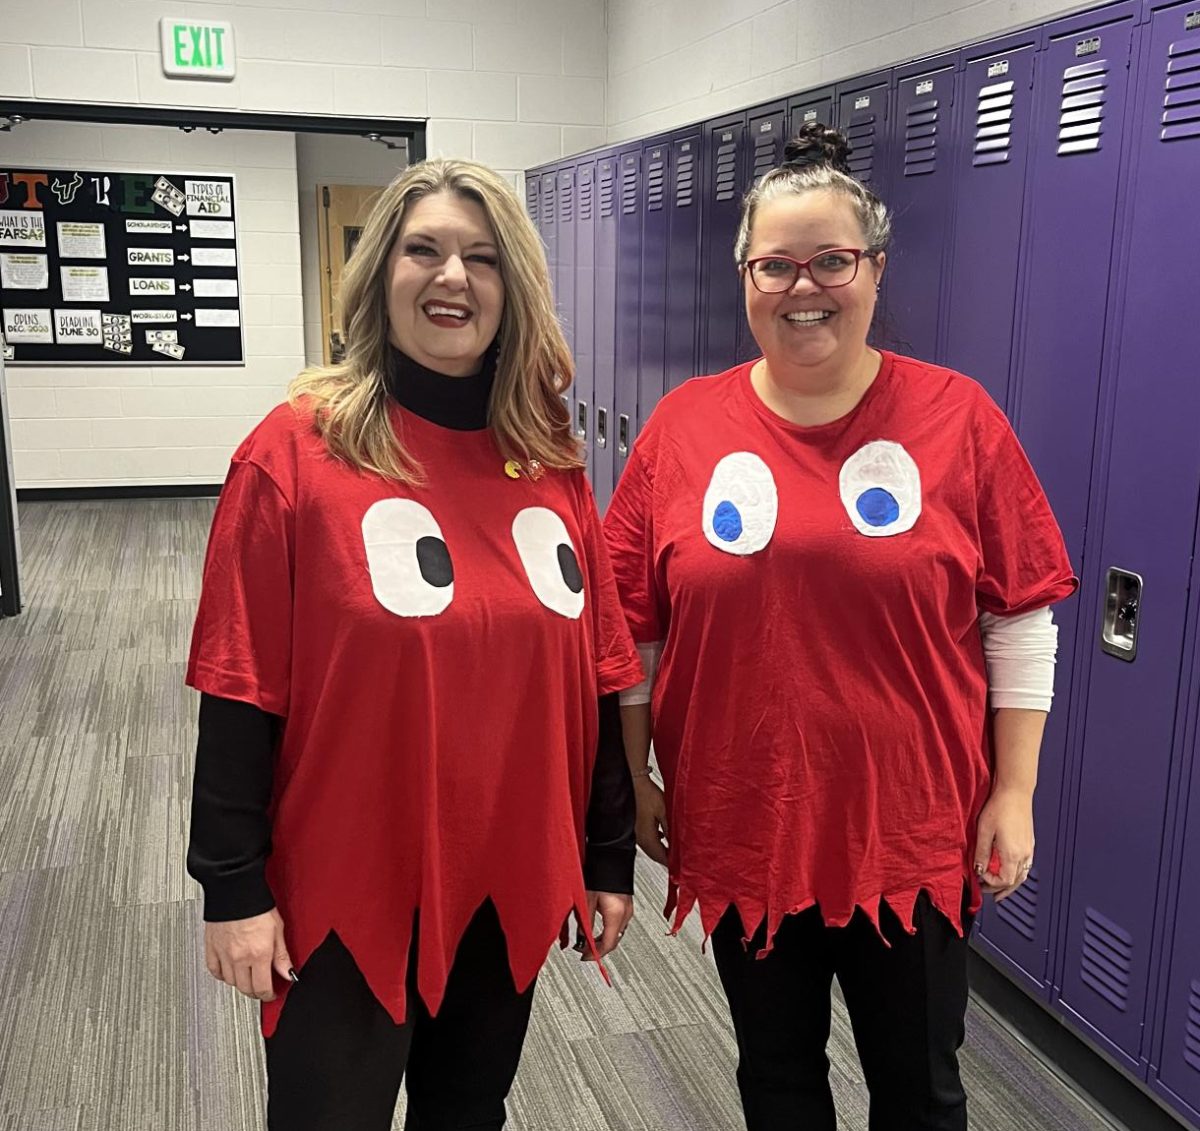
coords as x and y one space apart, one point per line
108 1019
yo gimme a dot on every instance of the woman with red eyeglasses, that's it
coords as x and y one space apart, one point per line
838 565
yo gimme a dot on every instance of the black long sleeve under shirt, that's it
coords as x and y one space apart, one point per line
231 828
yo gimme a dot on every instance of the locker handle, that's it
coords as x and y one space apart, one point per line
601 427
623 435
581 420
1122 606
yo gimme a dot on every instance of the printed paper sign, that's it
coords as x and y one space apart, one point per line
81 241
24 272
33 326
215 288
143 316
214 257
84 284
210 229
162 337
23 229
151 286
167 196
208 317
209 198
78 327
148 227
170 350
150 257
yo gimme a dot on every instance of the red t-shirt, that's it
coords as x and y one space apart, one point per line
437 652
820 712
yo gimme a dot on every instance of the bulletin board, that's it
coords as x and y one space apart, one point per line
119 268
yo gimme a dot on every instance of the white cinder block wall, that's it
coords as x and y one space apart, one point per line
509 82
671 62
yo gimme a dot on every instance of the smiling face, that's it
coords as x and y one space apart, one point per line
445 292
811 326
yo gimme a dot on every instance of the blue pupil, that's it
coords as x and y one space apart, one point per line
727 522
878 507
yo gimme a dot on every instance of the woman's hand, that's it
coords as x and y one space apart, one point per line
1005 835
243 952
651 829
616 911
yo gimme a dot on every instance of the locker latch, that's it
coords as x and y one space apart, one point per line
581 420
623 435
1122 604
602 428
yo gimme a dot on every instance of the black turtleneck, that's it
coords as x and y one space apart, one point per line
459 403
231 829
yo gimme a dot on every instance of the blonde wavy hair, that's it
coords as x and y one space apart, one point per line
534 367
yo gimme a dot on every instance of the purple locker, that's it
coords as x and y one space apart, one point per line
683 259
629 298
812 106
533 195
1177 1075
992 134
863 114
548 225
1076 147
768 129
656 160
1173 89
565 296
585 298
921 199
720 301
1148 527
605 235
862 117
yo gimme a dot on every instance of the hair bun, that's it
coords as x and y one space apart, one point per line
818 144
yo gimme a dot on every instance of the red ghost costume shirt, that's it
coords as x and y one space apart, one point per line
820 711
437 652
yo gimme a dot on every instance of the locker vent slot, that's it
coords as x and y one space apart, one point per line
861 135
1181 102
1107 959
993 123
1081 114
727 171
566 200
656 180
1019 910
685 179
531 202
920 138
629 189
764 153
607 191
1191 1041
586 198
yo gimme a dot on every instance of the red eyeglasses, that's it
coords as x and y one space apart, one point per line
834 267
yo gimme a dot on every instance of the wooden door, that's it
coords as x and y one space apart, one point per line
341 212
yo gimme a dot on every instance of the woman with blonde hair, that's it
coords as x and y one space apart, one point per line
409 771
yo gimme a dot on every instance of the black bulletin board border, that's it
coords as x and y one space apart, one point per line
113 198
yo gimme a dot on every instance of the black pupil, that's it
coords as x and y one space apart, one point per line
433 558
569 566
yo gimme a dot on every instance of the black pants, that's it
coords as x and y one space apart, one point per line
337 1059
907 1006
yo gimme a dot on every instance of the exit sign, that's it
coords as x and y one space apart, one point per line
197 49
